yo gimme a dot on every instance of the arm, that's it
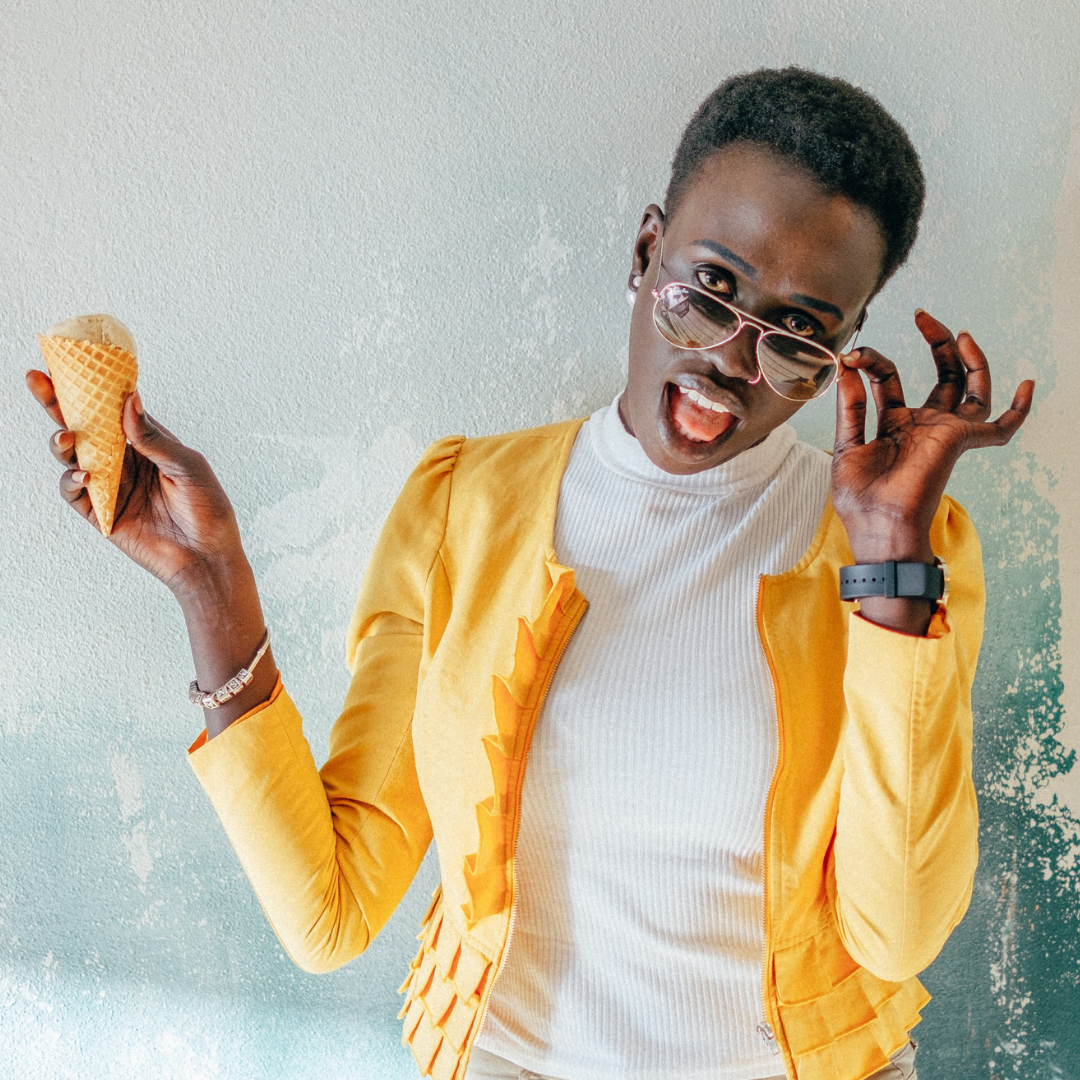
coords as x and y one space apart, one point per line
907 827
906 843
329 861
331 854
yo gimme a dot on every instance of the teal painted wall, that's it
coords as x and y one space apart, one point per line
341 230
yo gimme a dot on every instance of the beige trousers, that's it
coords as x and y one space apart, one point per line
485 1066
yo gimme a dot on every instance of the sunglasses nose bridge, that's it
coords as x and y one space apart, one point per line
737 357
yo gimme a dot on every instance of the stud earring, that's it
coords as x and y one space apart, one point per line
632 288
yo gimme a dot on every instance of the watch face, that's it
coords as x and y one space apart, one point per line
944 599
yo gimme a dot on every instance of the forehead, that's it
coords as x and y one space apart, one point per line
775 216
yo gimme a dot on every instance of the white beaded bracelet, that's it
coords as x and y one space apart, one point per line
233 687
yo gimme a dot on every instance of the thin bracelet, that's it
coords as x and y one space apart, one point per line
233 687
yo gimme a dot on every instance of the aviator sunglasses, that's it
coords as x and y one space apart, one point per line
691 317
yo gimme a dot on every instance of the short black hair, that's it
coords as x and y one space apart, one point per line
836 131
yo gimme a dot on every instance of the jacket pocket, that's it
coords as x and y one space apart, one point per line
840 1021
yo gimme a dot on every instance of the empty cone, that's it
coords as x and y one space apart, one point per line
92 379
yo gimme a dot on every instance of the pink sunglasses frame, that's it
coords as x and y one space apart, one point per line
745 319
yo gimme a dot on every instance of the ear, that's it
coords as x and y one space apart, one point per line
647 241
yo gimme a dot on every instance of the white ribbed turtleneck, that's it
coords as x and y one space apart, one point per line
637 948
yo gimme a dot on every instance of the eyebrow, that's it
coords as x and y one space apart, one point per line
750 271
818 305
727 253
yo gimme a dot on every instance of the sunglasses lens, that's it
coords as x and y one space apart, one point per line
692 319
796 369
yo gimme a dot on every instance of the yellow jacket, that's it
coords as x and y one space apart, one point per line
871 820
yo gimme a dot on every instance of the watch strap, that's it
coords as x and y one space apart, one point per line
910 580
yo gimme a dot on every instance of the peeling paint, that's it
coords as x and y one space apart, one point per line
129 784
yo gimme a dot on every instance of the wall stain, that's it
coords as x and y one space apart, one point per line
1053 454
1009 979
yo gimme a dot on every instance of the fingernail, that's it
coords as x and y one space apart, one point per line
136 402
80 476
959 332
921 311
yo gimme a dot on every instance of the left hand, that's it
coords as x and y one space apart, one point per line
887 491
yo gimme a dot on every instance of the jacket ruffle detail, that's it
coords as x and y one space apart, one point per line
443 993
832 1010
516 699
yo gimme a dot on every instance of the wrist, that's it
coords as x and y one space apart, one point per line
224 618
257 692
211 581
899 545
908 612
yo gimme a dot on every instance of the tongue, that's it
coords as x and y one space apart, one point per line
698 424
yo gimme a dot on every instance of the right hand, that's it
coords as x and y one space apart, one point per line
173 517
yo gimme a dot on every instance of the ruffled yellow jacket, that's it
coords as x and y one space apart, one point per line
871 821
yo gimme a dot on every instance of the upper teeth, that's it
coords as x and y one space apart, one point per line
702 400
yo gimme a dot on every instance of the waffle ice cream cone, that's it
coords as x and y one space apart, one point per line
91 360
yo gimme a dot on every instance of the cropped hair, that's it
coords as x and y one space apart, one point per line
837 132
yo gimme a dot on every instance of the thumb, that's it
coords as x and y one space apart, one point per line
151 440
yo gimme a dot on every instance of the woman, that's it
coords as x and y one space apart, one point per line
748 819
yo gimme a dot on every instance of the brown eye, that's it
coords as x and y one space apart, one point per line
799 324
715 282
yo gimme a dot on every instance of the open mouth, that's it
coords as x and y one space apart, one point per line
697 417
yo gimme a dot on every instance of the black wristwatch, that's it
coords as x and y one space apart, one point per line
912 580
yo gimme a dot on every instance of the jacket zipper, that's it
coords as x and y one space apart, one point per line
765 1029
569 633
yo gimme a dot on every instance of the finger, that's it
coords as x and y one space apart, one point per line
73 492
884 378
1000 431
165 431
850 409
154 442
62 445
976 403
951 374
41 386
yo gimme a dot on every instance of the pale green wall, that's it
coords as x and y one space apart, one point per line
341 229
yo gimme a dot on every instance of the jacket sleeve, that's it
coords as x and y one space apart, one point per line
331 853
907 829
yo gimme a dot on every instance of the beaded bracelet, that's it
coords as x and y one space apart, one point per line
233 687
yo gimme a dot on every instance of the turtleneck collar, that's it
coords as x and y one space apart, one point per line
622 453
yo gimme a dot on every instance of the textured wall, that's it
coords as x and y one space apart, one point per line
341 229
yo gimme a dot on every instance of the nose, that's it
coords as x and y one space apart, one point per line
737 358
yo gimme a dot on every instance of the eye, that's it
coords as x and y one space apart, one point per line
708 277
799 324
